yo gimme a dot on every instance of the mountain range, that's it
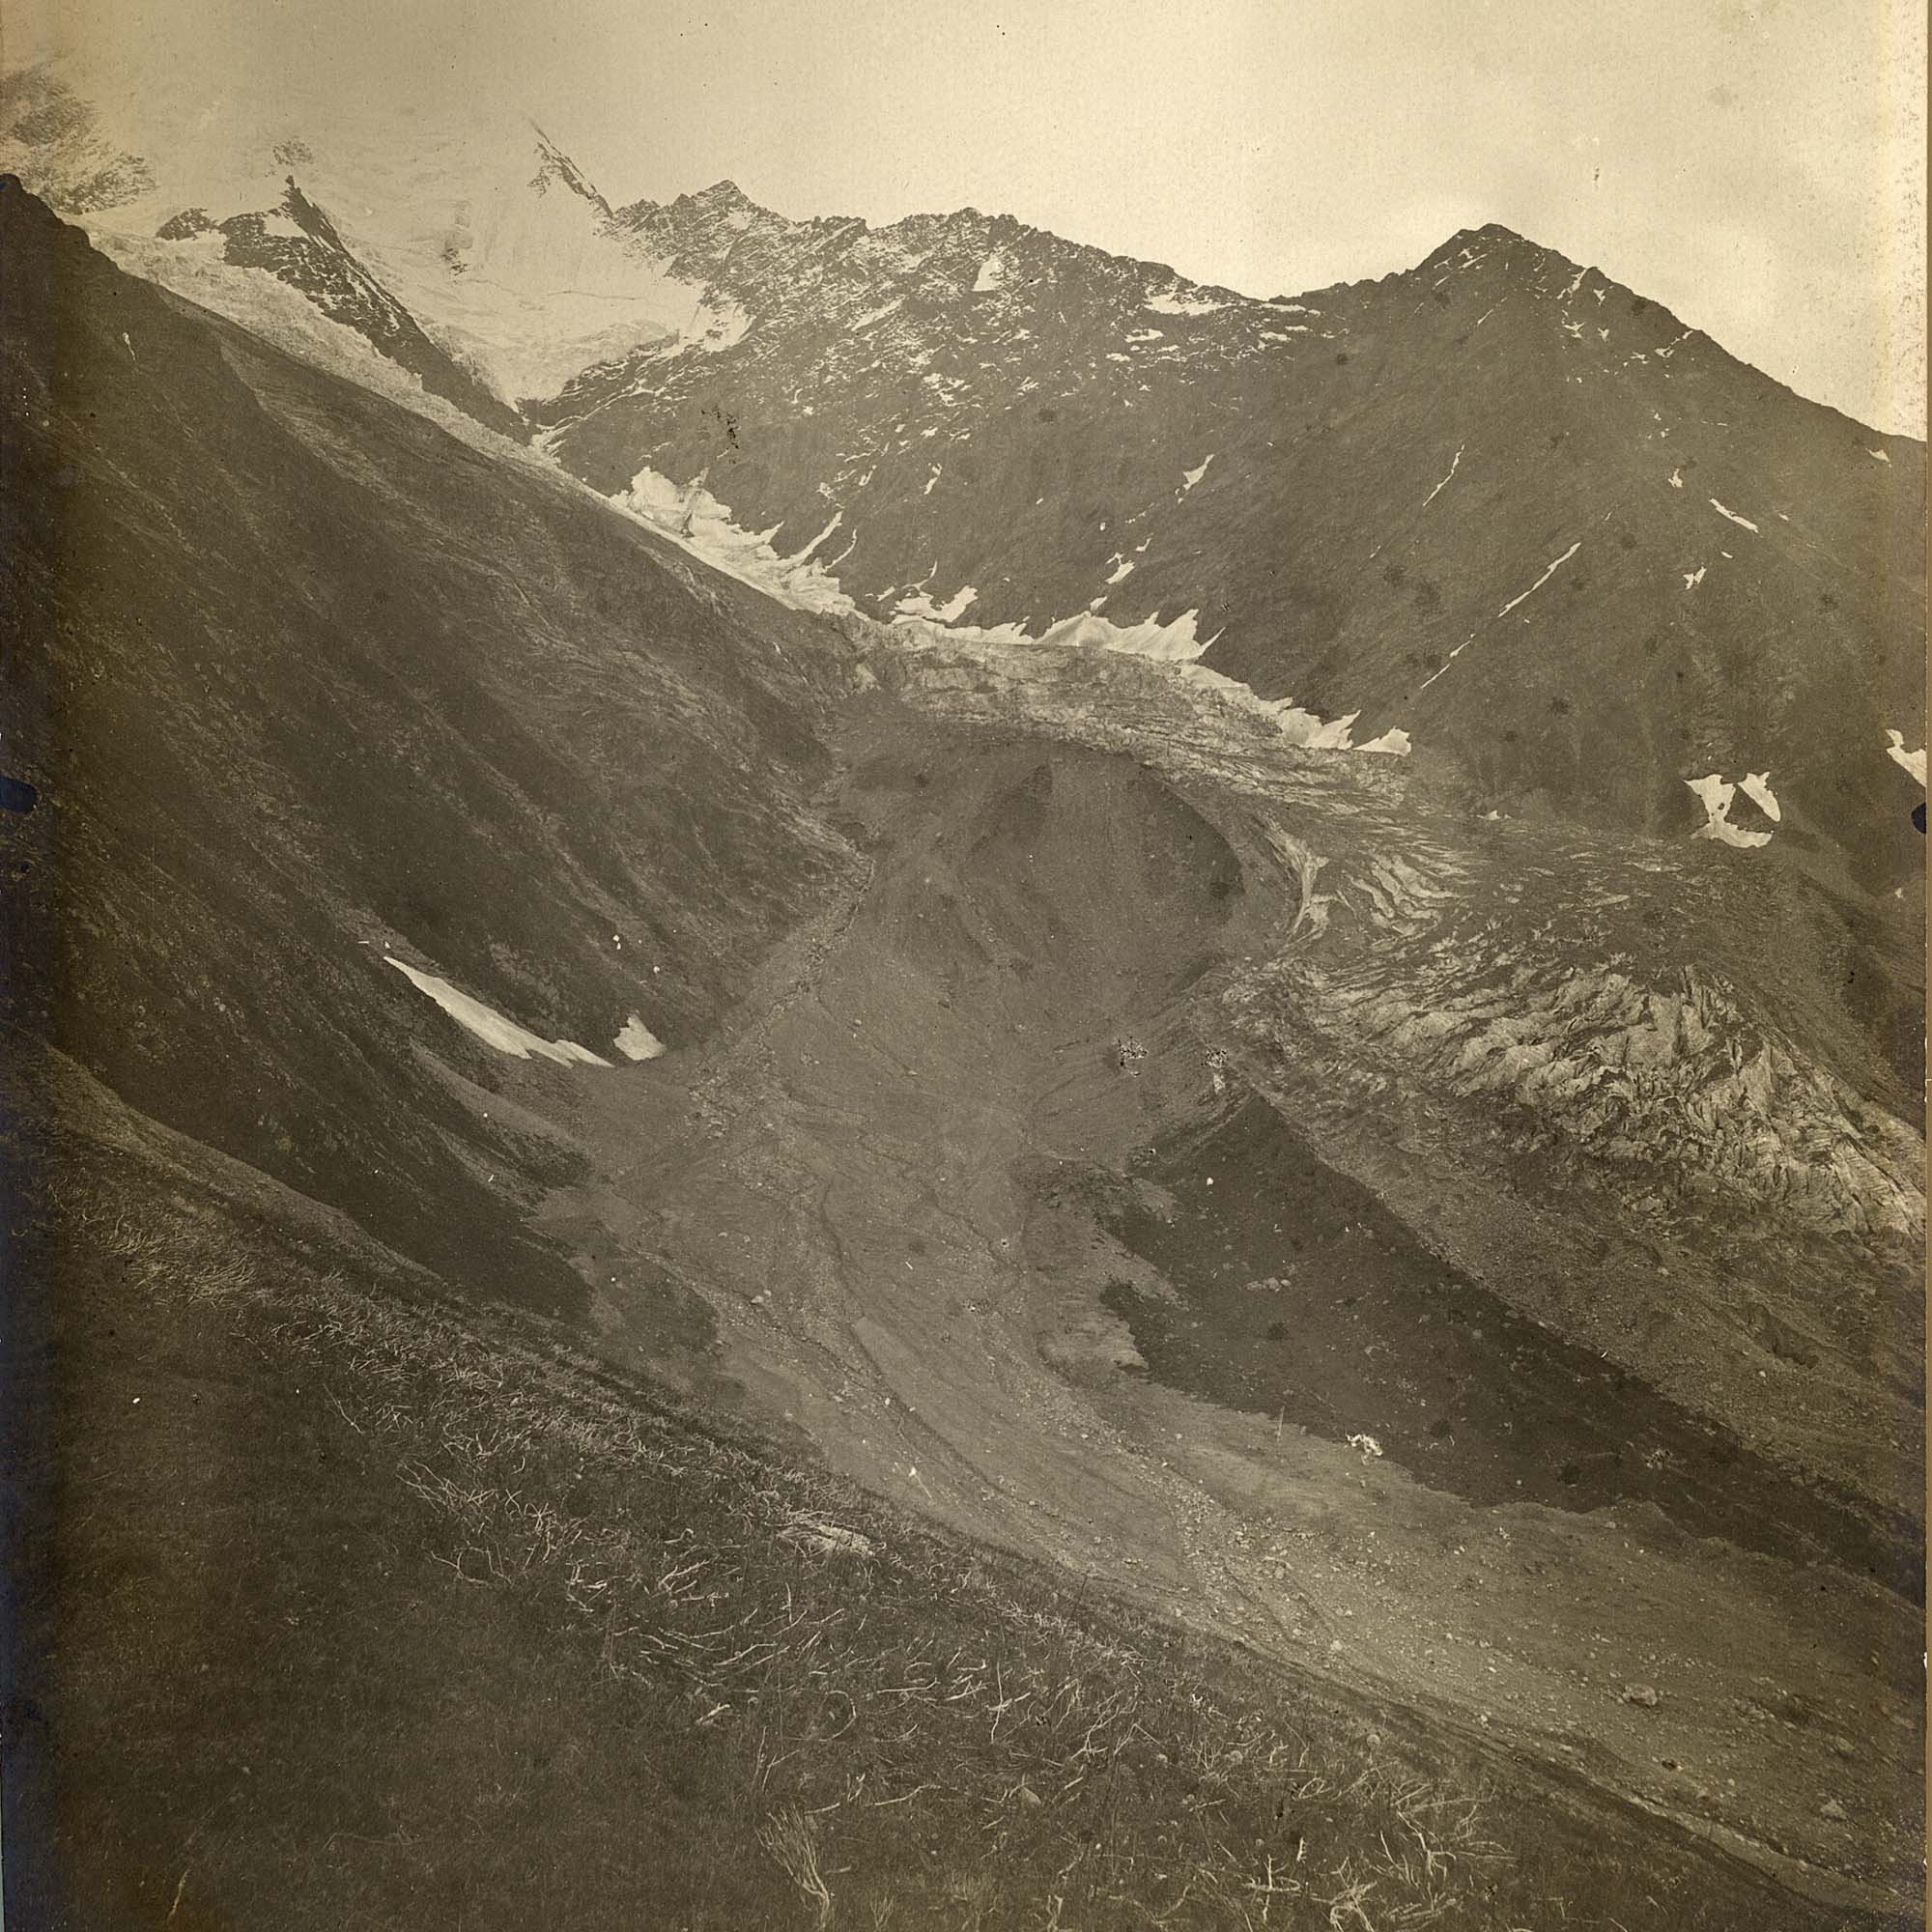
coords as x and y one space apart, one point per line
1310 1103
1498 510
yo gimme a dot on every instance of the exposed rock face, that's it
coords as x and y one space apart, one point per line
1462 501
298 244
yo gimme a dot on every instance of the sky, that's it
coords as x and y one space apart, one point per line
1758 168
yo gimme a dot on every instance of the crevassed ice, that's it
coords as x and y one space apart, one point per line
1176 644
697 522
490 1025
695 519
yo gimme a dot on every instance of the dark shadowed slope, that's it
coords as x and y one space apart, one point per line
299 682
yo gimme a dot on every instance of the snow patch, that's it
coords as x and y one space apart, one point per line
1693 578
1718 798
1756 786
1455 463
951 612
723 329
1180 305
1190 478
1124 567
1908 761
490 1025
798 558
1744 521
1677 479
938 470
992 274
1547 574
1446 663
636 1042
1878 456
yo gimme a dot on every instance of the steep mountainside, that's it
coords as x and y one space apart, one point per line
1498 502
314 686
297 244
1498 509
1474 1262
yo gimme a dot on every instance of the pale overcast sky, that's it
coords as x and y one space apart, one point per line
1759 168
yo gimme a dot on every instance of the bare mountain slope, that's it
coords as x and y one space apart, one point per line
301 683
1498 502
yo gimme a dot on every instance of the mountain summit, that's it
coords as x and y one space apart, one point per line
1498 504
1498 510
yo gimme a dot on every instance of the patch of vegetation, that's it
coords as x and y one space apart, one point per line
385 1610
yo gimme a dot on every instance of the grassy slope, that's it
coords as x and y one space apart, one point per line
378 1611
